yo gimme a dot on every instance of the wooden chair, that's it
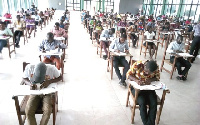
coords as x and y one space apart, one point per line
20 107
146 47
100 47
10 45
129 38
93 36
135 105
164 60
110 62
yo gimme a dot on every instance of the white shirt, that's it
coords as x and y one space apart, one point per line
6 31
51 72
149 35
174 46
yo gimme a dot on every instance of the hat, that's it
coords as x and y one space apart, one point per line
39 72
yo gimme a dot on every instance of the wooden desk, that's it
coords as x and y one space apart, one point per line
157 85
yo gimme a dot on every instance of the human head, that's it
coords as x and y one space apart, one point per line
149 29
39 73
27 16
50 37
18 17
57 25
150 66
2 25
111 31
179 39
123 38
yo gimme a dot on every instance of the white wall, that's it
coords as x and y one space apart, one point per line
43 4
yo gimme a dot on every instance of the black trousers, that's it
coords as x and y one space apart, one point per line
122 31
147 97
181 62
120 60
91 30
17 36
134 38
195 46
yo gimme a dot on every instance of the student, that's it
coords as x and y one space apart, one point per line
51 44
178 47
44 74
59 32
19 27
29 24
98 29
6 33
104 37
120 45
144 74
132 35
150 35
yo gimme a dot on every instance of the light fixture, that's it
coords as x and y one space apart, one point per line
59 3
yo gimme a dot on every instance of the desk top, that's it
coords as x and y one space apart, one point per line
148 40
120 54
52 52
4 37
156 85
59 38
22 90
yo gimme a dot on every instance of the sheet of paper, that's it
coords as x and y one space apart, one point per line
120 53
156 85
22 90
185 54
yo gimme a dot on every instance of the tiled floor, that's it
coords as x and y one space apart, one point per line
88 96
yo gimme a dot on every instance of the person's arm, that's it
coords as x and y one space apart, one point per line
112 46
9 32
57 78
170 48
41 46
126 47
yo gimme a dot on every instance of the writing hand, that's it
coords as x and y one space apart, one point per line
33 87
126 51
44 84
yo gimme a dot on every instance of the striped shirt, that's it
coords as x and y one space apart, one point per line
137 70
51 46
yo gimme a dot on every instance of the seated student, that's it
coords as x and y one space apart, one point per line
51 44
120 45
58 32
92 23
178 47
7 16
44 74
19 27
132 35
37 20
165 28
144 74
98 29
104 37
122 24
29 24
43 21
4 32
150 35
141 25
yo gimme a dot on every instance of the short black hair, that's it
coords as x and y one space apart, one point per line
57 24
180 36
50 34
1 22
151 65
113 30
124 35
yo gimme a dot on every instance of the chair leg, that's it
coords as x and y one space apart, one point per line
100 51
128 97
133 113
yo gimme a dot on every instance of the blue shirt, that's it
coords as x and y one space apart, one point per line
105 34
116 45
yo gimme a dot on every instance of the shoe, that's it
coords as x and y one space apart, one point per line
184 78
105 57
17 46
179 78
123 83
